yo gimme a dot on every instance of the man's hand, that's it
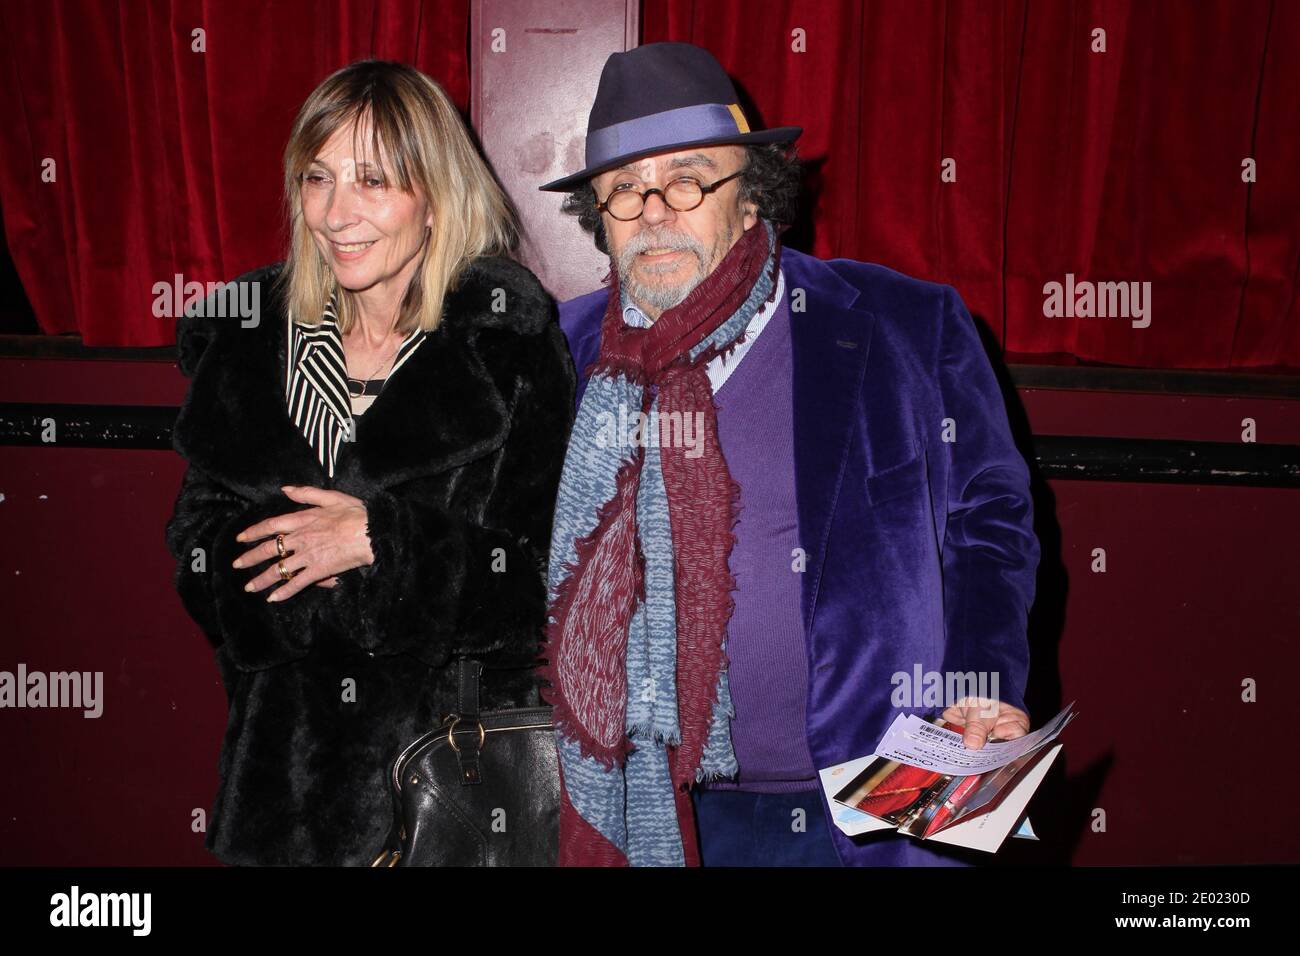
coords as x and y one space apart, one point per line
984 718
320 542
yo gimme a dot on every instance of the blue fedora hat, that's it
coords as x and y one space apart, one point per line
659 98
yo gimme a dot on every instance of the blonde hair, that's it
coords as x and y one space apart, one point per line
415 125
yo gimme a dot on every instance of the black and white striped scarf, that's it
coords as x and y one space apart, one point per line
316 382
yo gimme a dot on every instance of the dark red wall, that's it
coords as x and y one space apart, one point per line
86 585
1200 592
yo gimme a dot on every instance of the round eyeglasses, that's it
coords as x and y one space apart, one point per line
680 195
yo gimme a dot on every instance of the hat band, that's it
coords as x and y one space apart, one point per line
646 134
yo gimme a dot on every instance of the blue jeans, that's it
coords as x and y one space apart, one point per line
740 828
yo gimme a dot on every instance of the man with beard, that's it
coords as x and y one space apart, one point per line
818 491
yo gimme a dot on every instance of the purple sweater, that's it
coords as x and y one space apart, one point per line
768 662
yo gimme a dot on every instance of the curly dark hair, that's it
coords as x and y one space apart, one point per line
770 181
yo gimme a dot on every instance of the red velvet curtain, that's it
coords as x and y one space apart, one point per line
1115 166
166 160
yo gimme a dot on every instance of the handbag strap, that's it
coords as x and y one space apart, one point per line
467 710
467 695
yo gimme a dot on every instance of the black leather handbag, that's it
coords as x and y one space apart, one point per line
483 789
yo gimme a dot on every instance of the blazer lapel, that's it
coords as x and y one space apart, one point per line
830 340
318 400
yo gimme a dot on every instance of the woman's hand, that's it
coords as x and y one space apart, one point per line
320 542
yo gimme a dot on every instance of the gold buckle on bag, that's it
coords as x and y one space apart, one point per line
482 734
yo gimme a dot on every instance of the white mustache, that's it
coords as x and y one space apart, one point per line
669 240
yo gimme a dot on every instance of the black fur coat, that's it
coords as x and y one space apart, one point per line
458 457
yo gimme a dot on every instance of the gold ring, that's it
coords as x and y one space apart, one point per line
279 546
285 573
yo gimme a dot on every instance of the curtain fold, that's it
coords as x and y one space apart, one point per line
165 159
1122 166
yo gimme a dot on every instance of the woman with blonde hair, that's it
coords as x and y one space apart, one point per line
372 466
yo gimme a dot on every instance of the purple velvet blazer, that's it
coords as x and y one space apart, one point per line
920 549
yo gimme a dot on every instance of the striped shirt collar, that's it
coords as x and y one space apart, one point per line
316 387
